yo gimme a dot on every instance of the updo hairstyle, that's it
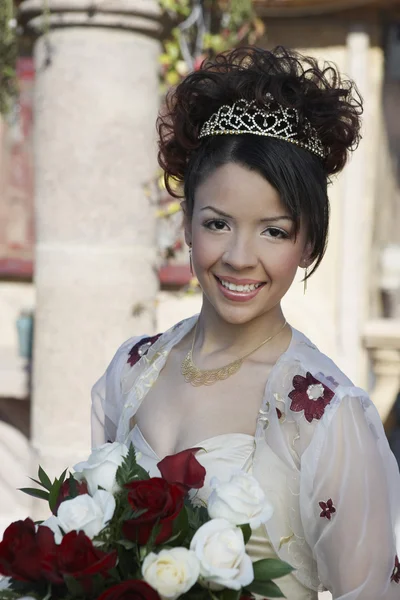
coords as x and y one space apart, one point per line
331 104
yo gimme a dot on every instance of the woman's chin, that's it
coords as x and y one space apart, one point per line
237 315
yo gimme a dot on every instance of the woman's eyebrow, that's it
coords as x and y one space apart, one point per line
266 220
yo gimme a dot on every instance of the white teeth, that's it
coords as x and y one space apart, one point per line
248 287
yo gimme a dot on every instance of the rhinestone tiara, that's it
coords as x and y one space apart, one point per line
274 120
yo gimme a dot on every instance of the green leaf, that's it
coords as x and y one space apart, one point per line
180 529
152 539
44 479
129 470
231 594
246 529
74 587
130 513
127 544
54 493
62 477
36 481
268 589
270 568
73 487
35 493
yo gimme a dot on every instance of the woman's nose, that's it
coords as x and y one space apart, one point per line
240 255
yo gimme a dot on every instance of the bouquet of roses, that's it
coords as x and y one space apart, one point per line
116 533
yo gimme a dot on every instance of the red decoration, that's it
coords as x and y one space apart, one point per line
309 395
396 571
76 556
162 502
183 469
23 550
141 348
132 589
327 509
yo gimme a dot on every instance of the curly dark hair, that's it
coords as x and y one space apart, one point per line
320 95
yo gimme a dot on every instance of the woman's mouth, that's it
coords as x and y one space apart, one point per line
239 292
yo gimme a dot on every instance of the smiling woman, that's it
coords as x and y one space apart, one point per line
253 138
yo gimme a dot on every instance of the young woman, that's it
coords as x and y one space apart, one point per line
254 138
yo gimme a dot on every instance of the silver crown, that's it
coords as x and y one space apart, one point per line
272 121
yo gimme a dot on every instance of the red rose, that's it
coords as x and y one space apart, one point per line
23 550
183 469
76 556
132 589
65 491
163 502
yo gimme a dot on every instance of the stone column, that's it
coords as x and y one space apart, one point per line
356 218
96 101
382 338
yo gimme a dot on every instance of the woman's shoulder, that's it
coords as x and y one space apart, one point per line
136 347
308 386
305 356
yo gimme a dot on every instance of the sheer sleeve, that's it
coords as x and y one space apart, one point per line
350 502
107 397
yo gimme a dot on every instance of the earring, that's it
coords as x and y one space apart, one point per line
305 280
190 259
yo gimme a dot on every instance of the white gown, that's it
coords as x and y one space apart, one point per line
319 452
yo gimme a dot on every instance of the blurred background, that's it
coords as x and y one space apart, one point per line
91 247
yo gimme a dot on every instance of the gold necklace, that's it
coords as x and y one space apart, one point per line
197 377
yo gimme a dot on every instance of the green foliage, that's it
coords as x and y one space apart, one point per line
50 491
246 530
229 23
270 568
129 470
8 55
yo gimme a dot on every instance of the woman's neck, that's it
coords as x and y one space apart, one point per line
214 335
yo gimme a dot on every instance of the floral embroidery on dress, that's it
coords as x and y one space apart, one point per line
396 571
141 348
309 395
327 509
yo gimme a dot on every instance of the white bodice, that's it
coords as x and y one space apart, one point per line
223 455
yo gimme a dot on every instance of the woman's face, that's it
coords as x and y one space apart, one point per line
244 251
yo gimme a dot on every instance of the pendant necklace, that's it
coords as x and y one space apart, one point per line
197 377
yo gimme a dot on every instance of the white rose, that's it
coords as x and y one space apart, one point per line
87 514
101 467
53 524
219 546
240 500
4 582
171 572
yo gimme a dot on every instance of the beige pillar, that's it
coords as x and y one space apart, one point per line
355 223
96 101
382 338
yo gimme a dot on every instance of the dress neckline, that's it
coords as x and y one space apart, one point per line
136 383
199 444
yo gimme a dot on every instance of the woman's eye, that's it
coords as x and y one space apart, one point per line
275 232
215 225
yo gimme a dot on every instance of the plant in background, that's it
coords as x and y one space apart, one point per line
8 55
196 30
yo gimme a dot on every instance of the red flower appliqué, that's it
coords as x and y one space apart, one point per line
396 571
327 509
310 395
141 348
